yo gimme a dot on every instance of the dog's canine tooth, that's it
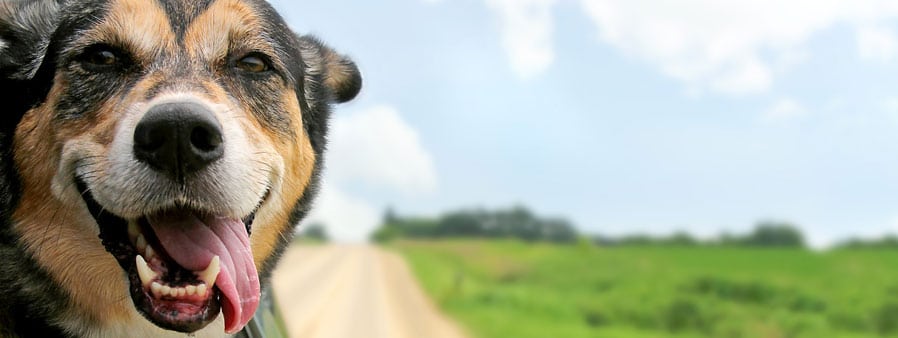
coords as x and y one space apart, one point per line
211 273
146 274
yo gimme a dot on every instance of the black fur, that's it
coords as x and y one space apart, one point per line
38 45
29 299
182 12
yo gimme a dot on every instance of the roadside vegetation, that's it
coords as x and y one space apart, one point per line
760 284
514 289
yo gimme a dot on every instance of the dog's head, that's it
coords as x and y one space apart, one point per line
164 150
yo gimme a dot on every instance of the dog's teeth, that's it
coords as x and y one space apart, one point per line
191 290
201 290
157 289
141 243
150 252
146 274
166 290
182 292
211 273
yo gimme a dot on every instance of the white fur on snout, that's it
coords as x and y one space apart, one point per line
232 186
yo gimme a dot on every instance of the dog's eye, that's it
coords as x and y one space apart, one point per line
102 57
253 64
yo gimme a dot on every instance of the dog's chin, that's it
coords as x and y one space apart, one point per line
184 266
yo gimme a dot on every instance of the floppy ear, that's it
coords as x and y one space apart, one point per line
340 76
25 29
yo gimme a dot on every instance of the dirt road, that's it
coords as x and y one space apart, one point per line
354 292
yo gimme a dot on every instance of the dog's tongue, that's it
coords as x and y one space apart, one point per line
193 241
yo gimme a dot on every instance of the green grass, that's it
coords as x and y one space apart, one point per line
512 289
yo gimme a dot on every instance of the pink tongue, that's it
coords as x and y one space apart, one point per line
192 242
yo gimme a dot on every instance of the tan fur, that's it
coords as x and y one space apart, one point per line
139 24
338 73
213 32
299 160
52 231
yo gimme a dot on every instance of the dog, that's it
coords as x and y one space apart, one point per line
155 157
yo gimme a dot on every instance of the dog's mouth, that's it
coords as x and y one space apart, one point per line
184 265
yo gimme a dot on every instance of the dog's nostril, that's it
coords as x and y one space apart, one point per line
205 139
148 139
178 139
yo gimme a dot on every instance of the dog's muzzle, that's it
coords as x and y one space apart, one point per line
178 139
185 262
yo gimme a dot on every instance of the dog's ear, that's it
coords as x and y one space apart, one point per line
339 75
25 29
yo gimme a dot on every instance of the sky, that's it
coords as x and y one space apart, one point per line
623 116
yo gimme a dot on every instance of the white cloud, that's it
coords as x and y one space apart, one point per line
376 146
785 110
373 147
527 27
733 46
729 46
877 43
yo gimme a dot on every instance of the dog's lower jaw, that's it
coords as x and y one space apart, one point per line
191 234
134 326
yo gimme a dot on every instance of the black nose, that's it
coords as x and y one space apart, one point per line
178 139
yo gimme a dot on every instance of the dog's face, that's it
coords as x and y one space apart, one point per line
170 149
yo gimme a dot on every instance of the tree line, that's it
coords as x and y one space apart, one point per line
773 234
513 223
521 223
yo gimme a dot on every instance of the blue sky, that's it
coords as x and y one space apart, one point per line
623 116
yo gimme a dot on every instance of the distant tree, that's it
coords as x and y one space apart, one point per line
315 232
682 238
516 222
885 242
417 227
775 234
390 216
559 231
394 226
385 234
639 239
460 224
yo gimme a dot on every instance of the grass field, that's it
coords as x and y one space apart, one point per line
512 289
